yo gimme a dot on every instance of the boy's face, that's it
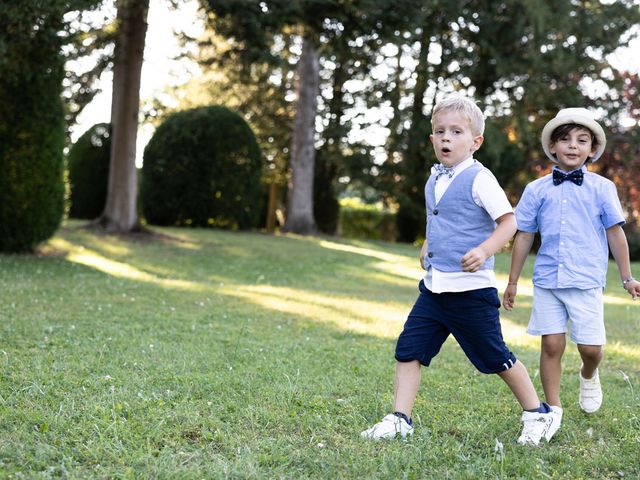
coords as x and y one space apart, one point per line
573 149
452 138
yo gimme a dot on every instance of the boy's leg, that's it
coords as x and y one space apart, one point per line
586 310
406 386
591 357
474 320
551 351
539 421
518 380
590 398
420 340
399 422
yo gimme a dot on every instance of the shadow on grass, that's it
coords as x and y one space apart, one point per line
351 285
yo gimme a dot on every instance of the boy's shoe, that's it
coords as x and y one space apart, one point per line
389 427
534 426
590 393
556 416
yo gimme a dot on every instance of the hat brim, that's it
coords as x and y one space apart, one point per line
585 121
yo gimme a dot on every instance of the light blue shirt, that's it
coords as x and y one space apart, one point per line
572 221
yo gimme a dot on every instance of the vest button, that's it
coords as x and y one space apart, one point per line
435 212
430 254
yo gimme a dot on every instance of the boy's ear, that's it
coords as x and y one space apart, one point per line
477 142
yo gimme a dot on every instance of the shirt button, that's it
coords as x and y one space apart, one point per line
435 212
564 201
430 254
560 265
561 243
562 222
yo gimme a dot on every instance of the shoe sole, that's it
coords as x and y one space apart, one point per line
589 411
386 437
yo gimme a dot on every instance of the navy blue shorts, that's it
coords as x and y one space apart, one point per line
471 317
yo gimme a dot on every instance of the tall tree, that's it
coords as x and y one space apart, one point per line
258 26
120 213
303 152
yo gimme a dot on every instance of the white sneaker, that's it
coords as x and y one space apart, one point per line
556 421
590 393
535 426
389 427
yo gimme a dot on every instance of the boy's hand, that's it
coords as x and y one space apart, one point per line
633 287
474 259
509 297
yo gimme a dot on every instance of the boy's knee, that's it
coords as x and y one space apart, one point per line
553 347
591 351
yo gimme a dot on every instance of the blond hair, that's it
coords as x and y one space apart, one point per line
467 107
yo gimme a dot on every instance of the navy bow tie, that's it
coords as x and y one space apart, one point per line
559 176
442 170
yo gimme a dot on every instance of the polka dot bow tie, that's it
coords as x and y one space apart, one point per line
442 170
576 177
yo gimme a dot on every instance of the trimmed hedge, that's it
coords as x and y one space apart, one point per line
202 167
88 163
31 146
366 222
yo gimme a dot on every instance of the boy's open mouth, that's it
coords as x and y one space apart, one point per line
446 150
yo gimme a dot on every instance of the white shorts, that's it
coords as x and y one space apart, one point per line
553 308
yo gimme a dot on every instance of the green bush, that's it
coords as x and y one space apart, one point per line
31 138
358 220
203 168
88 163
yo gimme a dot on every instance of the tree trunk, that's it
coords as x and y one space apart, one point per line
410 218
300 197
120 213
272 207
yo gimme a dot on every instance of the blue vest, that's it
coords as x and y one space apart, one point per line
456 224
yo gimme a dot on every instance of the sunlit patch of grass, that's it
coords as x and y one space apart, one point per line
383 319
386 278
515 334
84 256
631 351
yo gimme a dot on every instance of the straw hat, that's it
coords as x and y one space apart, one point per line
580 116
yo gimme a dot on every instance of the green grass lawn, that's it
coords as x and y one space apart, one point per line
212 354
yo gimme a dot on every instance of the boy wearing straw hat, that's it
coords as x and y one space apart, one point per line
579 217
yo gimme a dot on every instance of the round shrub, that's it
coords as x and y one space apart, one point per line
202 167
88 162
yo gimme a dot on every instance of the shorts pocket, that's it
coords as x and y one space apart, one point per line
490 296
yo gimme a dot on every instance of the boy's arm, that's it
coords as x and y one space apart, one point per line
521 248
475 258
620 251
